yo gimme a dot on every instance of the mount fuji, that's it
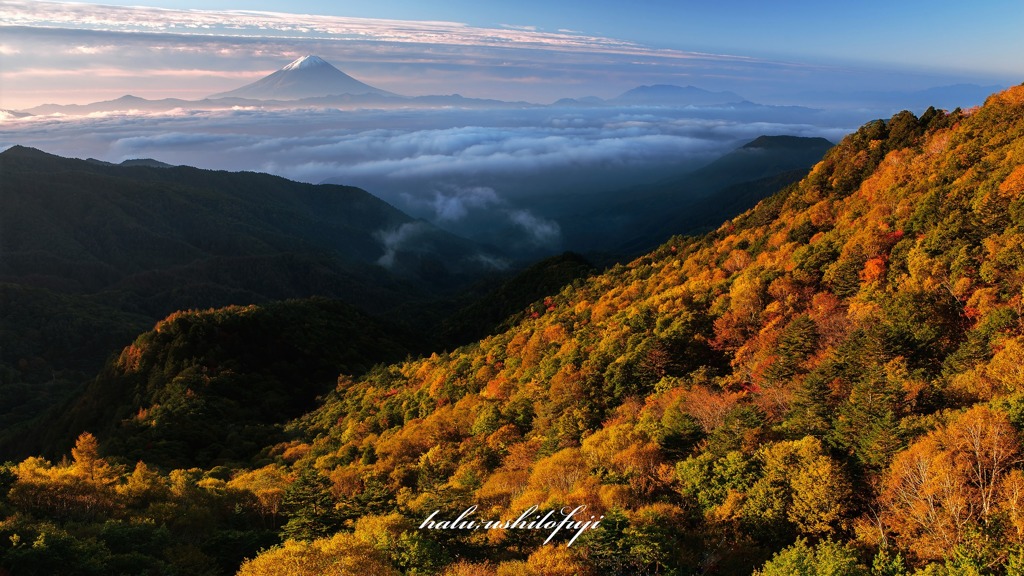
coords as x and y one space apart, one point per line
307 77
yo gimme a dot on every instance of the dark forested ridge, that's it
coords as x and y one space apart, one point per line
92 254
502 306
214 387
829 383
171 238
636 220
49 344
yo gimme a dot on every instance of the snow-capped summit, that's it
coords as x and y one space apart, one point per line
307 61
307 77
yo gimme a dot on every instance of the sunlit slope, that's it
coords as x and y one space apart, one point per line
743 389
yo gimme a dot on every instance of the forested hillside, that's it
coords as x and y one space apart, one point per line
830 383
214 387
833 374
92 254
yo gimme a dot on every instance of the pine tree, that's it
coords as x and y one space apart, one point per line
310 507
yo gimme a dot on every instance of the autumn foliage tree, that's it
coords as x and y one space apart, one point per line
952 482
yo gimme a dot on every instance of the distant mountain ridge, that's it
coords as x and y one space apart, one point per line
677 95
311 81
385 100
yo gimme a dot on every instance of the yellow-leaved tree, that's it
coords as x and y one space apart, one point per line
953 481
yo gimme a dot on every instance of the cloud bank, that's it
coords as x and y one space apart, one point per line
393 148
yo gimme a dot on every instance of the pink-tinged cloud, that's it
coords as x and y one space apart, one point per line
240 22
86 73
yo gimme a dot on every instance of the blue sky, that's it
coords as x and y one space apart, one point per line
980 36
536 50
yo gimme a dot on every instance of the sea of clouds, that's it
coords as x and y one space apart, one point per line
470 171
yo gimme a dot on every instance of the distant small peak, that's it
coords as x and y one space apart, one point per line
786 141
8 114
307 61
19 151
147 162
